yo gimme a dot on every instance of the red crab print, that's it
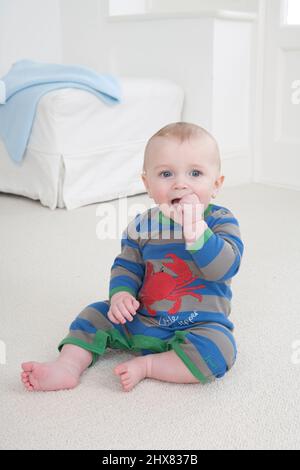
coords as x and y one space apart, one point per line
161 285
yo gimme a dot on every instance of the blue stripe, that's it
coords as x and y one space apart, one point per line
228 220
225 332
210 353
182 315
129 242
83 325
239 244
123 281
219 289
211 290
212 221
209 252
132 266
152 251
102 307
216 318
137 327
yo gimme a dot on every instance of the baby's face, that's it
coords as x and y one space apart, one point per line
175 169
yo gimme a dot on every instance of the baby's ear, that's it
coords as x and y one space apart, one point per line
219 183
143 175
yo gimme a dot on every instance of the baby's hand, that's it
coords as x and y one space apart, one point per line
188 213
192 215
123 307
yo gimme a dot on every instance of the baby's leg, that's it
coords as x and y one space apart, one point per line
166 366
57 375
75 357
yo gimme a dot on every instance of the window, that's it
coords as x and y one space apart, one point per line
293 12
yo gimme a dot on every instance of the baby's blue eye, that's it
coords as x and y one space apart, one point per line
165 174
196 173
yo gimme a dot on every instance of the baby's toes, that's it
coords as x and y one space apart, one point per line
125 379
127 387
25 377
34 383
27 384
120 369
29 387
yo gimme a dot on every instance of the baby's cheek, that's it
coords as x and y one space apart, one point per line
161 197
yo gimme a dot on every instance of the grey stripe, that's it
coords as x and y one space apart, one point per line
220 340
148 321
120 271
229 228
82 335
191 351
98 320
210 303
162 241
190 263
217 268
131 254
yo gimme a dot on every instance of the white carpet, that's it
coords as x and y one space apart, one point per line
52 265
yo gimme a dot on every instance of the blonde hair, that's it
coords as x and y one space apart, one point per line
183 131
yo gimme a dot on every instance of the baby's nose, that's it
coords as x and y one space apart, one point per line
180 184
180 181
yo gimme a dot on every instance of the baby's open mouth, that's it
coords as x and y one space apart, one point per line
175 201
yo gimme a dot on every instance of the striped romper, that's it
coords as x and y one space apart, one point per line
184 294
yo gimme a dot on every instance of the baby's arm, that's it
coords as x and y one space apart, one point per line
219 249
127 275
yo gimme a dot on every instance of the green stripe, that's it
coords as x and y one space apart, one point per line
201 241
208 210
174 344
115 340
120 289
190 365
167 221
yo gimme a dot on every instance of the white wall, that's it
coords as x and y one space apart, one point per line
82 33
179 50
231 100
232 84
199 53
29 29
209 58
277 154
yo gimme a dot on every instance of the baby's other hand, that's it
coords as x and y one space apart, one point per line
186 212
193 222
123 307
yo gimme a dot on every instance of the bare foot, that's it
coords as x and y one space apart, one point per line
56 375
133 371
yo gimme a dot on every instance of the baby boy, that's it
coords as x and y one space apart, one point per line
169 293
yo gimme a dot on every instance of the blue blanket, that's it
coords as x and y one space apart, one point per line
24 85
